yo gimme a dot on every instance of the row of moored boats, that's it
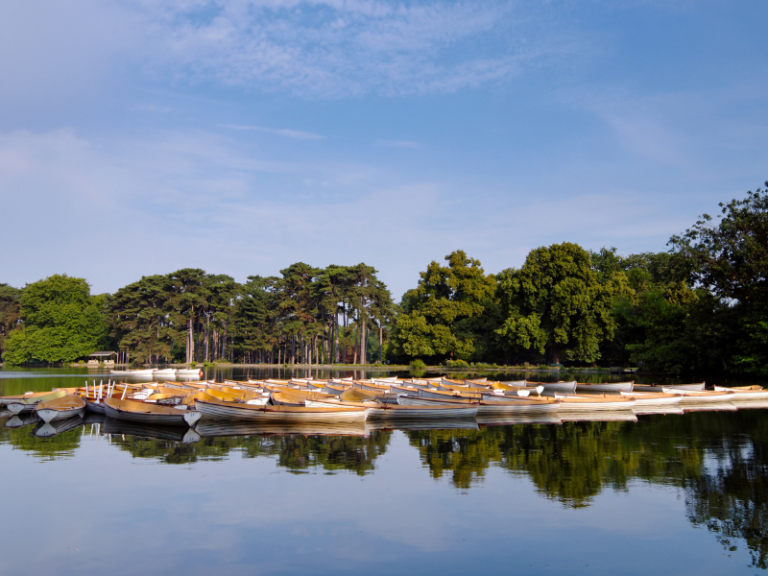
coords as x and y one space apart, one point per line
308 400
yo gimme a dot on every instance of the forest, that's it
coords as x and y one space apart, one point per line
699 307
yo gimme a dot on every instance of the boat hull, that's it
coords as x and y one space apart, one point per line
183 418
614 387
222 410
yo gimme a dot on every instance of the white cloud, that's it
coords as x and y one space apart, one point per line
331 48
112 213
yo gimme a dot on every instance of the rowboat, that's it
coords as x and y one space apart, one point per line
189 373
145 413
655 402
596 404
554 387
61 408
236 411
605 387
658 387
414 400
516 406
372 387
335 389
689 397
442 394
27 402
745 392
164 373
133 373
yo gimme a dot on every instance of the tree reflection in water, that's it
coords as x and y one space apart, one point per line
296 453
718 460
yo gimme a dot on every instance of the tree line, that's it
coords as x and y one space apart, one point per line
701 306
306 315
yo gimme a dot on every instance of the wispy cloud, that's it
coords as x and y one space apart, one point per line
333 48
295 134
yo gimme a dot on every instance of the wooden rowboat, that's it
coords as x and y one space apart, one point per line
689 397
554 387
596 404
61 408
189 373
133 373
145 413
659 387
235 411
605 387
745 392
27 402
655 402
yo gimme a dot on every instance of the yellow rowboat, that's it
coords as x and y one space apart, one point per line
745 392
593 404
27 402
146 413
239 411
61 408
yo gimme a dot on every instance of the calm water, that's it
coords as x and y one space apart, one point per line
663 495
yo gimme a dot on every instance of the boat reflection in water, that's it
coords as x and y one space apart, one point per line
47 430
218 429
183 435
517 419
20 420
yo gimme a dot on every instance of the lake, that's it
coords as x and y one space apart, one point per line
674 494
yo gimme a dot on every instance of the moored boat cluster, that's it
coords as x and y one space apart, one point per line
341 401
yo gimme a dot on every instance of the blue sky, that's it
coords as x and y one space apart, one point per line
139 136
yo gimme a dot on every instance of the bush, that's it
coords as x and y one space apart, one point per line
417 364
456 364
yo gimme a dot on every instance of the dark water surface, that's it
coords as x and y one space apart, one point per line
664 495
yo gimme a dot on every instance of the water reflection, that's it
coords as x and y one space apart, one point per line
718 461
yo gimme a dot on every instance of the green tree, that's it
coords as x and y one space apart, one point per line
556 304
139 314
729 257
61 322
10 312
187 297
440 317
